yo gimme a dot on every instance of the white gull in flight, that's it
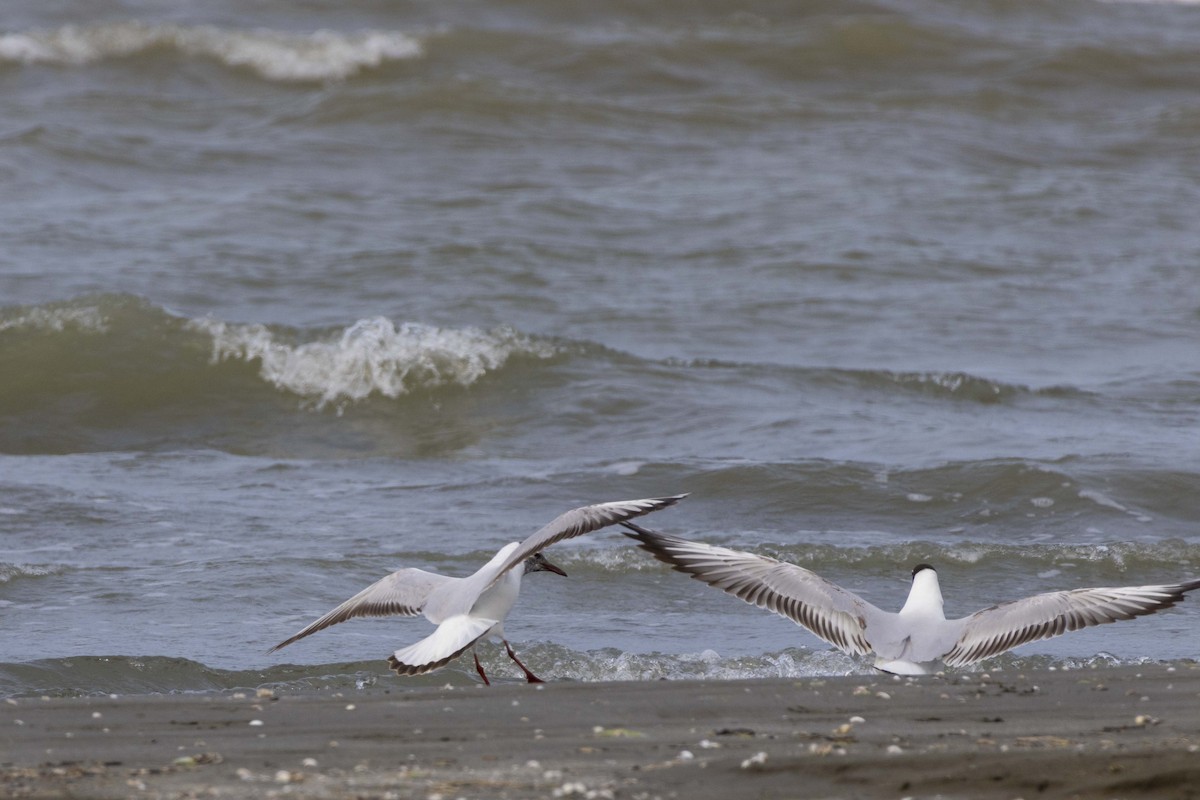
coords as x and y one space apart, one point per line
918 639
472 608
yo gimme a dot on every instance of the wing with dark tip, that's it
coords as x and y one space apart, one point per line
1000 628
580 521
403 593
451 639
837 615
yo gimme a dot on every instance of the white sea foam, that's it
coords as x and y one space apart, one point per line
11 571
611 665
372 356
950 381
276 55
88 318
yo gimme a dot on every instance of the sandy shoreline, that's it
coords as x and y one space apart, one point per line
1103 733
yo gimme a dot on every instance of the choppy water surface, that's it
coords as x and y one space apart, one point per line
291 296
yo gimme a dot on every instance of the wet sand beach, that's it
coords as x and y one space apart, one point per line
1103 733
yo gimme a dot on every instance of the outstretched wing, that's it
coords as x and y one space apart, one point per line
403 593
1000 628
837 615
580 521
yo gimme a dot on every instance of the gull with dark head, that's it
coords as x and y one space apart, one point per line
472 608
918 639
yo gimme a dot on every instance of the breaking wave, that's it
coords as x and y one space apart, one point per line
11 572
372 356
976 560
82 676
274 55
115 372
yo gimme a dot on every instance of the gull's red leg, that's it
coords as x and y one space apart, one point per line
479 669
529 676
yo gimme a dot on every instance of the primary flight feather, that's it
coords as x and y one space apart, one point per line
918 639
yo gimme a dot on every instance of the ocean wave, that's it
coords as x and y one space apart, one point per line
954 384
951 385
614 665
372 356
796 662
10 572
960 385
139 340
117 372
1169 558
82 676
101 675
274 55
56 318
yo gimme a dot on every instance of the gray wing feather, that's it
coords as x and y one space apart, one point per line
580 521
403 593
836 615
1000 628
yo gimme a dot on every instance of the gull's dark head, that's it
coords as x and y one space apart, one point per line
538 563
920 567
